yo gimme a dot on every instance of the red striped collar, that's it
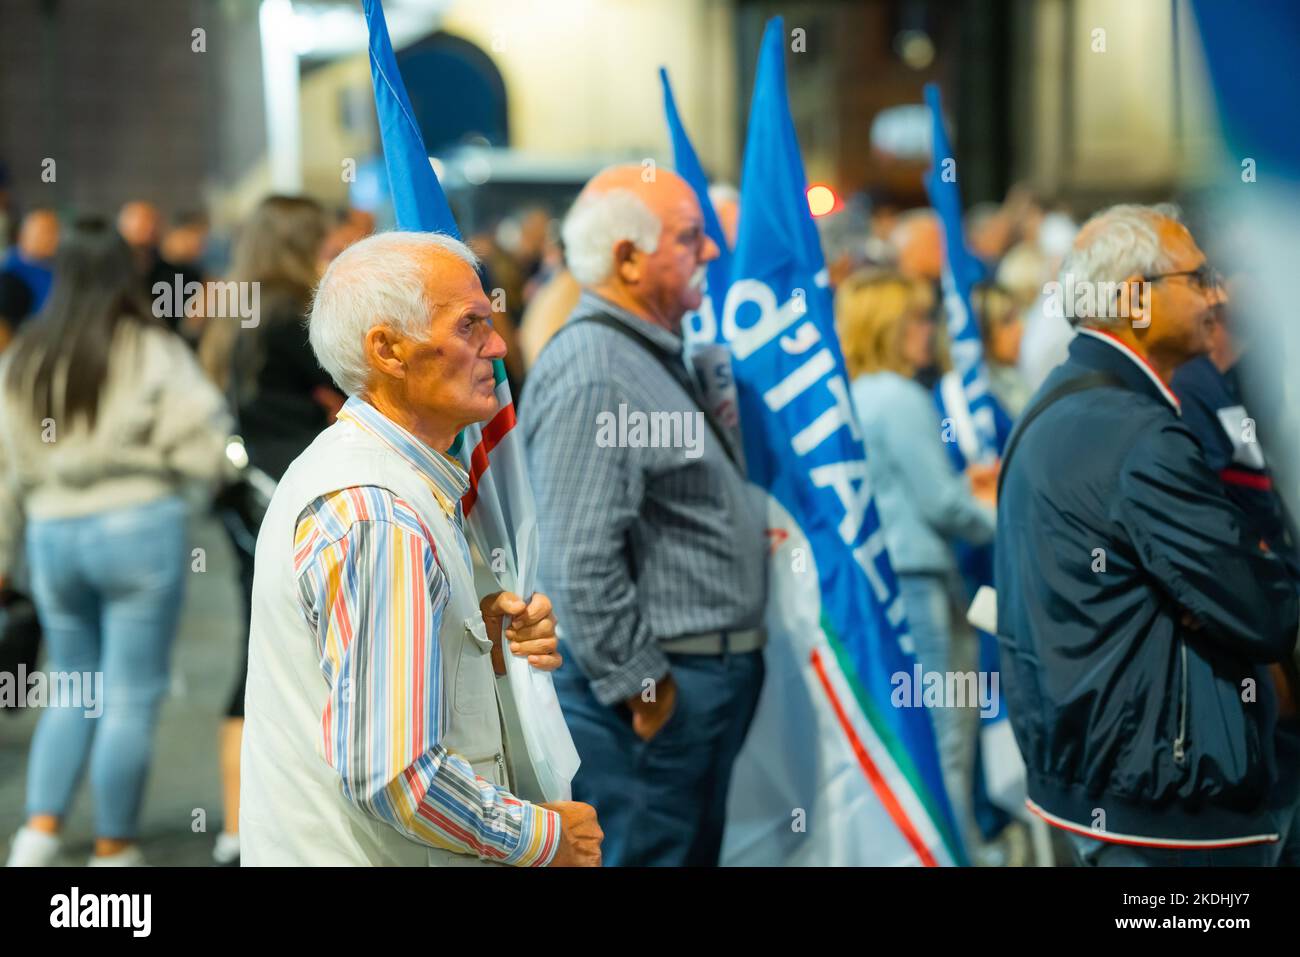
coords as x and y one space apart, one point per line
1146 367
1247 479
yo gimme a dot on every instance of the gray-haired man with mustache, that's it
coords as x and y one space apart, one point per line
659 524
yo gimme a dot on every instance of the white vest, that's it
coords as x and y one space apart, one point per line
292 809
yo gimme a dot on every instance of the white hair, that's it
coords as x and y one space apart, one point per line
600 221
909 220
1113 245
720 193
379 280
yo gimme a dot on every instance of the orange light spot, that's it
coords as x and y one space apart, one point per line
821 199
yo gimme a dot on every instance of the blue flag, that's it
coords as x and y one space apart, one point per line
418 200
703 325
1257 96
832 735
960 273
979 428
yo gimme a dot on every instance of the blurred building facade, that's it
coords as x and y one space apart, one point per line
214 102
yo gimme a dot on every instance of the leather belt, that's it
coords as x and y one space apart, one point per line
717 642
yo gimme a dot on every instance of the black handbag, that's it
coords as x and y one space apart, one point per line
242 504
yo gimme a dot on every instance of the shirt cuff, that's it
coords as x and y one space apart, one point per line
628 679
539 837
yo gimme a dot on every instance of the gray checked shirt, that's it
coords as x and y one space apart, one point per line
648 530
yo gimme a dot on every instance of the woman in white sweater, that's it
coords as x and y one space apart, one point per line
104 418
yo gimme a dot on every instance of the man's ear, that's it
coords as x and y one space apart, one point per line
627 261
1134 299
386 351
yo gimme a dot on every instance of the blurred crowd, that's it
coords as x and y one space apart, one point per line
160 411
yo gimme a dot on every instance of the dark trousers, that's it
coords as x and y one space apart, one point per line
663 802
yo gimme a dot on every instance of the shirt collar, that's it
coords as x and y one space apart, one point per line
443 473
590 302
1116 343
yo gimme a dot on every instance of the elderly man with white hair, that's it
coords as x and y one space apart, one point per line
653 546
374 731
1140 619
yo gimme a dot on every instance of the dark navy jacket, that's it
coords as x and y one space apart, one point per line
1135 611
1213 410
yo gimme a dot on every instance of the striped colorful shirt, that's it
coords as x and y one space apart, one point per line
373 591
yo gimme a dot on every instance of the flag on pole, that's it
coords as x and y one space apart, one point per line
710 359
687 164
960 273
500 513
838 767
980 427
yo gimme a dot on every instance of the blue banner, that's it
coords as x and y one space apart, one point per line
804 447
960 273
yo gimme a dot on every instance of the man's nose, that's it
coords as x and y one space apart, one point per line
709 250
496 346
1218 294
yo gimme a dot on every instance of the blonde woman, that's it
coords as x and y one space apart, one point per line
886 325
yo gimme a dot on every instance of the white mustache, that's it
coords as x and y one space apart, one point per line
698 277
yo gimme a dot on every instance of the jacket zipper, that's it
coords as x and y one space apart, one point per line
1180 743
501 768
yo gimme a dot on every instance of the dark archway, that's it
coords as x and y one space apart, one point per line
456 91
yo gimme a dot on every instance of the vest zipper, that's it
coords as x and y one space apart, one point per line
1180 742
501 768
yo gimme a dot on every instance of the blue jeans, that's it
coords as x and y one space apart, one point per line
663 802
108 590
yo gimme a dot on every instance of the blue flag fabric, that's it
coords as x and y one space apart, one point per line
961 271
846 634
1254 202
980 428
418 200
688 167
1258 97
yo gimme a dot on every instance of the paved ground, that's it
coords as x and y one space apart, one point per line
184 778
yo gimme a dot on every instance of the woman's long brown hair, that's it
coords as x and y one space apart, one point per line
277 247
59 362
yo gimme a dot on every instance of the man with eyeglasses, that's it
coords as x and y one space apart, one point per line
1139 616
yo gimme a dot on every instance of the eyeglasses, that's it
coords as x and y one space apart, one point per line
1205 277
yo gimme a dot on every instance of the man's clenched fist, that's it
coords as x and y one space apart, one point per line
580 835
531 633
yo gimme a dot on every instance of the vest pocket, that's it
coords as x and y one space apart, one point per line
474 691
